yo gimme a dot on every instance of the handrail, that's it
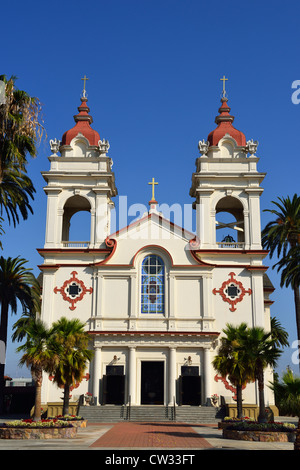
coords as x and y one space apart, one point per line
129 407
174 409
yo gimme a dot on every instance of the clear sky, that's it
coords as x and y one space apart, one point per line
154 69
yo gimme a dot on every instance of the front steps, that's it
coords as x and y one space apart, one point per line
103 414
150 413
197 414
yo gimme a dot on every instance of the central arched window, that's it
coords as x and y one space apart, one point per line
153 285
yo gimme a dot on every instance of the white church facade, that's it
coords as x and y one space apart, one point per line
155 297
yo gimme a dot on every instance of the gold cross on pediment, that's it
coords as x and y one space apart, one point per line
153 183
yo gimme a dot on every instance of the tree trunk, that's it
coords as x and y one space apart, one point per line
262 417
297 308
3 343
66 400
37 375
239 401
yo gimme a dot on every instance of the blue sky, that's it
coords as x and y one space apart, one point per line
154 88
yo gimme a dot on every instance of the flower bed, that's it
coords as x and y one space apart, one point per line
43 429
77 421
228 421
259 436
260 432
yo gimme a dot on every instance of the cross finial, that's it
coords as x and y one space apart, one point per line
84 91
153 183
224 91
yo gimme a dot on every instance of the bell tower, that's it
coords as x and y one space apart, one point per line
80 179
226 187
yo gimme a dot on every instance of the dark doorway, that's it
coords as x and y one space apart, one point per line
190 386
152 383
114 386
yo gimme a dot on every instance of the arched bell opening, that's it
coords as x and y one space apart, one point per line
76 228
230 224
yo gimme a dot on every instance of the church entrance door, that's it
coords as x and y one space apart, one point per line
152 383
114 386
190 386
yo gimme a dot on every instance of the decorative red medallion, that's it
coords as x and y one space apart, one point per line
232 291
73 290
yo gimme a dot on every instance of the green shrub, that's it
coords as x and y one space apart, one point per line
256 426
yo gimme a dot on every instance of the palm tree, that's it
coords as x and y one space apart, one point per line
1 232
259 352
72 342
282 235
290 276
288 393
283 232
278 333
39 354
30 312
230 361
16 193
20 131
20 125
15 285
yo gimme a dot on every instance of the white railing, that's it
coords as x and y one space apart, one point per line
235 245
76 244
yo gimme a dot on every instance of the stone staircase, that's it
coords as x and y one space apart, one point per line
196 414
103 414
150 413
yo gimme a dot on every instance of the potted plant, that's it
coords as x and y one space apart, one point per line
88 397
214 399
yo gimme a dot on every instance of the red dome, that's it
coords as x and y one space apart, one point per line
224 121
83 121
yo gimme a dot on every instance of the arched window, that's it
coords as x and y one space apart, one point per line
230 223
153 285
76 221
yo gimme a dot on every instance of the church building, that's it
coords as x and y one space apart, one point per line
154 296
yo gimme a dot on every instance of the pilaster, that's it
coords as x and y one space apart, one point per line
207 371
97 374
132 375
172 375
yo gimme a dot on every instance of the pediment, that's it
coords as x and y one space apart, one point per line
153 226
152 233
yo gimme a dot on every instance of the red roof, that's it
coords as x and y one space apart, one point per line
224 121
83 121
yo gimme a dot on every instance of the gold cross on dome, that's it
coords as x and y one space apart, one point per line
224 80
153 183
84 80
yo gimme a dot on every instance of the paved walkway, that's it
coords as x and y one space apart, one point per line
134 437
154 435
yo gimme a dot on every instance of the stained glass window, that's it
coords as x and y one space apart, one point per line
153 285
